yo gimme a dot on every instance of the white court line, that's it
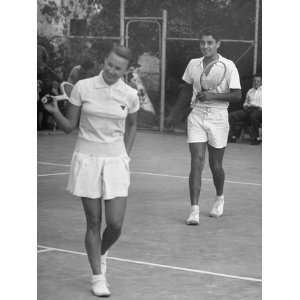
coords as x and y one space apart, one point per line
185 177
162 266
52 164
144 173
45 250
53 174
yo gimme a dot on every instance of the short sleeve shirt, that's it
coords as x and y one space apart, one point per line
253 97
104 108
192 75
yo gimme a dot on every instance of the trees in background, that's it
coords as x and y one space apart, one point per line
231 19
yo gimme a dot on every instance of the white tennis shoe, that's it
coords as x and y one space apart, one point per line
218 207
99 286
193 218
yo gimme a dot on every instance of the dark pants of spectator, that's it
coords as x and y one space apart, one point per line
251 117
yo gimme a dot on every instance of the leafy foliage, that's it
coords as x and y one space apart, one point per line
230 19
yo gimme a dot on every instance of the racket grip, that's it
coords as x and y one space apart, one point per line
47 99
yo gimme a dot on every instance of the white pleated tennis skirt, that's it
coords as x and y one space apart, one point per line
99 170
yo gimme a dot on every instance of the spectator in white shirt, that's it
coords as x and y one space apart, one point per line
251 114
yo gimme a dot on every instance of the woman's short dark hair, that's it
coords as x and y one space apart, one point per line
123 52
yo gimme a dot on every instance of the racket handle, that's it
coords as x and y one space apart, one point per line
47 99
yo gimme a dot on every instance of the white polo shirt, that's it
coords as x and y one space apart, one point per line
253 97
192 75
104 108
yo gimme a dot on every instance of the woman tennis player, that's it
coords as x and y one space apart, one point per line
103 106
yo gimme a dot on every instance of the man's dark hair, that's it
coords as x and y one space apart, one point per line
210 32
123 52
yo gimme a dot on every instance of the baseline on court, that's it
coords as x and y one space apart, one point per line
47 249
142 173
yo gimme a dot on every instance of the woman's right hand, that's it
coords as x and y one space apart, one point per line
51 106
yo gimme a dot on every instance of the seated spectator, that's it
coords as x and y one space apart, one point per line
82 71
250 115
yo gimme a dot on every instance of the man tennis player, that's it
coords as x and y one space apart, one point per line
208 124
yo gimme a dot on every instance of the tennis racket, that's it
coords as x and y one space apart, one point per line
212 76
65 88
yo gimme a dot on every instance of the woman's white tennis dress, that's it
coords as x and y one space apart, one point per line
100 164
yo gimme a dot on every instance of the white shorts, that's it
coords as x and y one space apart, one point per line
208 124
94 175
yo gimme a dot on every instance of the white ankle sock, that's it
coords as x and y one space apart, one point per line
220 198
105 254
97 277
195 208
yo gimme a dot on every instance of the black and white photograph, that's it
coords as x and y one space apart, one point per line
154 174
149 149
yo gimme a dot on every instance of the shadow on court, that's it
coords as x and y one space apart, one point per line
157 256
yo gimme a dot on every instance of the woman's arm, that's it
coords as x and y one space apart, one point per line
66 123
130 131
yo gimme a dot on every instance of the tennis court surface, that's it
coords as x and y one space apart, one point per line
157 256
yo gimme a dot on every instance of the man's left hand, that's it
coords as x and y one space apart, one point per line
204 96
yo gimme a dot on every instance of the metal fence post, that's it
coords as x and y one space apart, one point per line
163 71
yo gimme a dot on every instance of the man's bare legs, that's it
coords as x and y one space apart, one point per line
197 151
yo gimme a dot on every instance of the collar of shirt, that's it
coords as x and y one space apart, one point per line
220 57
101 84
254 90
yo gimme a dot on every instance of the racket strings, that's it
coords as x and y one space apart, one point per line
212 75
66 88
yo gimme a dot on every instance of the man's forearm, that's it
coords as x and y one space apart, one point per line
232 97
183 101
